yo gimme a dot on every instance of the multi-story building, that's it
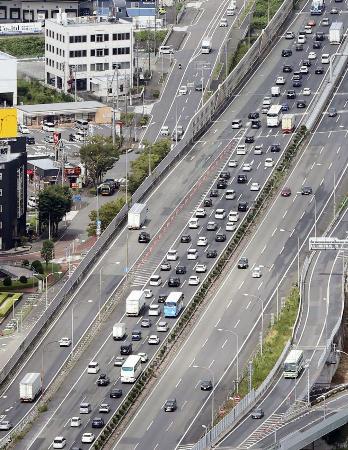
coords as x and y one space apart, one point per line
8 80
13 191
93 54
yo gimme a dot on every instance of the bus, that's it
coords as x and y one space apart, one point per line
274 115
173 304
293 364
131 369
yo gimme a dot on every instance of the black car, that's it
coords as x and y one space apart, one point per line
243 206
256 124
301 104
206 385
307 63
136 335
249 139
286 52
316 45
220 238
115 393
297 76
242 178
332 112
306 190
174 282
221 183
287 68
257 413
296 83
97 422
180 270
299 47
275 148
170 405
319 70
103 380
214 193
208 202
319 36
225 175
30 140
253 115
291 94
198 86
185 238
243 263
285 107
211 254
162 297
144 238
126 348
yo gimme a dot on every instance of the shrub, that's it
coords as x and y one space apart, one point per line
7 281
37 266
23 279
25 263
155 93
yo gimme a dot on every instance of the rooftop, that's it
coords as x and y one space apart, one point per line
44 164
87 20
61 108
5 56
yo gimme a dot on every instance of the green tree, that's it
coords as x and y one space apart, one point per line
106 213
7 281
37 266
54 202
99 155
47 251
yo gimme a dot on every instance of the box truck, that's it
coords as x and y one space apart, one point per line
119 331
206 45
317 7
137 216
275 91
336 33
30 387
288 123
135 302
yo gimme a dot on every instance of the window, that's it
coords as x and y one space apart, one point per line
106 37
92 37
100 52
99 67
121 51
77 53
77 39
99 38
121 36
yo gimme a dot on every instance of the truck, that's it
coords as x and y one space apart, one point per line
231 8
275 91
119 331
317 7
135 302
30 387
336 33
206 45
274 116
288 123
137 216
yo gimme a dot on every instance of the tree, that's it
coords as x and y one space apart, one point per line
23 279
7 281
99 155
106 213
47 251
54 202
37 266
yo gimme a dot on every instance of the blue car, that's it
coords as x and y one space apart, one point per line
285 107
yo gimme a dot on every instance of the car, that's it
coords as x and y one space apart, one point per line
180 270
93 367
334 11
49 138
258 150
304 70
214 193
269 162
170 405
312 55
119 360
98 422
299 47
220 237
5 425
332 112
211 226
211 253
233 216
23 129
243 206
285 107
164 131
145 323
154 310
30 140
241 149
249 139
165 266
148 293
253 115
200 212
306 91
136 335
232 163
286 52
311 23
254 187
208 202
104 408
221 184
316 45
308 29
87 438
155 280
172 255
286 192
162 326
243 263
201 268
59 442
193 280
236 124
144 238
275 148
291 94
301 104
199 86
220 213
153 339
296 83
230 194
230 226
242 178
306 62
162 297
246 167
325 22
75 422
257 413
193 223
319 71
202 241
174 282
64 342
103 379
256 272
143 357
289 35
192 254
116 393
183 90
256 124
280 81
225 174
185 238
306 190
206 385
287 68
223 22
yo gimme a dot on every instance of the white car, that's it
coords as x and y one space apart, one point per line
5 425
164 130
192 253
201 268
233 216
246 167
223 22
202 241
230 194
193 223
306 91
289 35
201 212
312 55
162 326
59 442
256 273
280 81
104 408
269 162
230 226
87 438
194 280
220 214
325 58
172 255
155 280
183 90
301 39
241 149
93 367
154 310
148 293
23 129
153 339
64 342
75 422
119 360
304 70
258 150
255 187
308 29
143 357
232 163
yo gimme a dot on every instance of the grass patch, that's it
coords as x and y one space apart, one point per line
8 303
33 93
216 71
23 46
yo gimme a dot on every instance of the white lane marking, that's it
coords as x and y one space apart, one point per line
147 429
247 306
211 363
237 323
241 284
205 342
177 384
223 345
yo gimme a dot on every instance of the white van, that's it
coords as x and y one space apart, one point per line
93 367
85 408
48 126
81 124
154 310
165 50
172 255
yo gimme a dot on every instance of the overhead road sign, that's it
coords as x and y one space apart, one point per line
328 243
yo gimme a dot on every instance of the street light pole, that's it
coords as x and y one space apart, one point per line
237 352
72 322
42 362
262 318
46 284
213 391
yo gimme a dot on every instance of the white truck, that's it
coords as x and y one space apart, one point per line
135 302
30 387
336 33
275 91
206 45
137 216
119 331
288 123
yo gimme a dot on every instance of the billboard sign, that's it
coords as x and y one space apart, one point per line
8 122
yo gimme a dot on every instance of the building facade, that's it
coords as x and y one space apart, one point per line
13 191
92 54
8 80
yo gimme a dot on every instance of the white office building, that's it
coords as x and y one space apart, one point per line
91 53
8 80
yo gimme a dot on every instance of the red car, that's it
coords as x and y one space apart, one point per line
286 192
311 23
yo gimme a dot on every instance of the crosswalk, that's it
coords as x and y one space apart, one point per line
268 427
142 273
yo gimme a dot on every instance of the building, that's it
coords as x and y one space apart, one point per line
13 191
8 80
93 54
35 10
